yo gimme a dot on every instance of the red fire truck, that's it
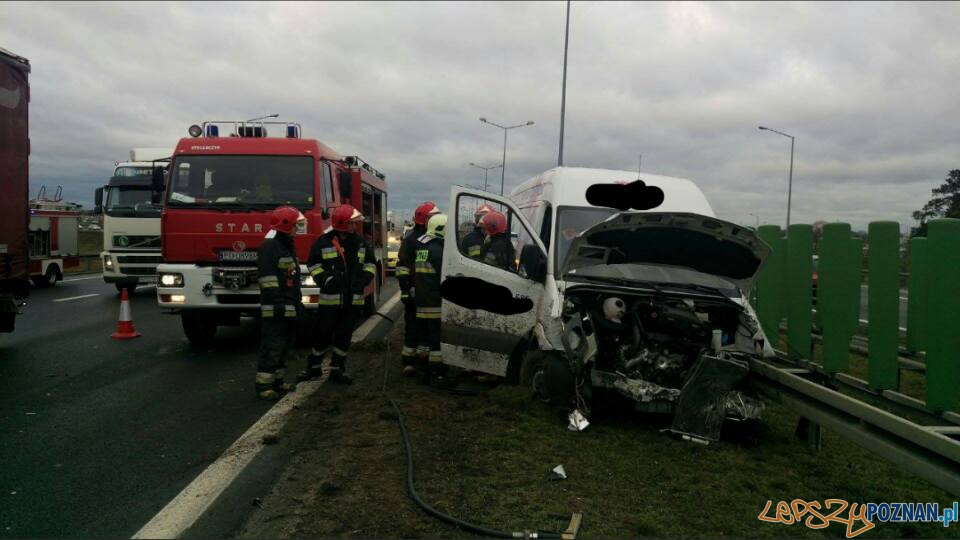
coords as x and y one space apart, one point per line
220 191
53 237
14 156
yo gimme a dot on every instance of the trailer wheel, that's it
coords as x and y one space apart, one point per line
198 328
7 322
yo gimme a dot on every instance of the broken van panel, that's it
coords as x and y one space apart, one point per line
645 305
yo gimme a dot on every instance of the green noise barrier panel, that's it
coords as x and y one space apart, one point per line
917 299
884 305
943 324
799 290
838 293
769 287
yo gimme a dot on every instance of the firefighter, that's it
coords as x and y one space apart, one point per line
428 263
405 275
473 241
497 248
280 301
343 264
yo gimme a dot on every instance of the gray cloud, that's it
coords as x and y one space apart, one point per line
869 91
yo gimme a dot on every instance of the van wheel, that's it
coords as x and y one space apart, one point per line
198 328
532 374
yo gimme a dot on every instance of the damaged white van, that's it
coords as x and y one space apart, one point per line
622 283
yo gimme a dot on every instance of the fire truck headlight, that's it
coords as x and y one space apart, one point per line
171 280
308 281
108 262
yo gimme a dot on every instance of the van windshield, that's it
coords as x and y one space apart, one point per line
230 181
571 221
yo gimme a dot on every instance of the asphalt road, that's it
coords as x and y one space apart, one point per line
97 434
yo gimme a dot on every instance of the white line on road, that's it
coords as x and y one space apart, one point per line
98 276
76 297
184 510
361 333
190 504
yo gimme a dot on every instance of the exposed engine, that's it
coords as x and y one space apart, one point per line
667 353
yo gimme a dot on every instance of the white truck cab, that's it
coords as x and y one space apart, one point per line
679 276
131 220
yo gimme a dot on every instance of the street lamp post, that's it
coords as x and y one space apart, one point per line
790 181
756 216
503 171
485 170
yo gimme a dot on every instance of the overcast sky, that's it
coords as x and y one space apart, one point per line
869 90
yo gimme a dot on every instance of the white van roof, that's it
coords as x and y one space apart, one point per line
567 186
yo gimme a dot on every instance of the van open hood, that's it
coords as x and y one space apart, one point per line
670 240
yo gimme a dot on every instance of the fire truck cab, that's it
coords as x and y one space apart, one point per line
220 192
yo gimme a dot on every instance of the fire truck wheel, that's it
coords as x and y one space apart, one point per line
53 275
198 328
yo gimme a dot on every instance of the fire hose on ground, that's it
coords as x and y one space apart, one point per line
569 534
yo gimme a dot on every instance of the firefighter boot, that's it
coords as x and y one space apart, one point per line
338 370
409 360
423 370
314 369
279 386
265 387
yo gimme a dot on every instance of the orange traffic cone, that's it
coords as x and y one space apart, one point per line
125 329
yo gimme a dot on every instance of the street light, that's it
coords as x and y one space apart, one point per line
503 172
790 182
274 115
756 216
485 169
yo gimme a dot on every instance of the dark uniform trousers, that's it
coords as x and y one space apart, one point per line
406 272
342 267
279 280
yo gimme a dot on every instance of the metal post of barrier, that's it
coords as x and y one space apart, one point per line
799 290
917 300
884 305
943 329
770 283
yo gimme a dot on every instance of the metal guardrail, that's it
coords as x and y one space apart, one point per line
925 450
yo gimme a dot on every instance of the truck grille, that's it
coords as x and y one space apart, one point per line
136 241
138 259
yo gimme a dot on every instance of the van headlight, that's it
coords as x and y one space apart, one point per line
108 262
308 281
171 280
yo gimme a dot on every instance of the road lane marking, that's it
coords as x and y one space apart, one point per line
76 297
191 503
194 500
364 330
98 276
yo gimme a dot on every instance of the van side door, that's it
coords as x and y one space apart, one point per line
489 307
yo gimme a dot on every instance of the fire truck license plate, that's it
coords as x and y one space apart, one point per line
238 256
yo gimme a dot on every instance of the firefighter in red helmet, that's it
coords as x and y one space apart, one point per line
343 264
280 301
406 271
473 241
497 248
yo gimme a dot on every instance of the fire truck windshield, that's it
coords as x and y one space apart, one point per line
232 181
